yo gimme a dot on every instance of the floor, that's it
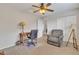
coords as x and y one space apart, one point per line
42 48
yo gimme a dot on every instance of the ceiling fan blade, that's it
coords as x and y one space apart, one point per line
35 11
42 4
48 4
50 10
35 6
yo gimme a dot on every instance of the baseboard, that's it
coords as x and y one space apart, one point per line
7 47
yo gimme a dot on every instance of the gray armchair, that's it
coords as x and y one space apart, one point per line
56 37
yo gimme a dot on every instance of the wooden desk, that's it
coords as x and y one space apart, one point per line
23 36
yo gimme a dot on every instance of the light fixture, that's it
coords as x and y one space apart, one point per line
42 11
43 8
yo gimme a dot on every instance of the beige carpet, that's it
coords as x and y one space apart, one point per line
42 48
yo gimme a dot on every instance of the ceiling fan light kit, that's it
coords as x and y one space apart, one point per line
43 8
42 11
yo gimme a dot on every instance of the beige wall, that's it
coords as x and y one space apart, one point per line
9 30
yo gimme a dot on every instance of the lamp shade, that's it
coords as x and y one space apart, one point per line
22 24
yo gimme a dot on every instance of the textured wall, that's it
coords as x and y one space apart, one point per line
9 30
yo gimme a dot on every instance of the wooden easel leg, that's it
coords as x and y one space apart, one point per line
75 41
67 42
76 46
69 38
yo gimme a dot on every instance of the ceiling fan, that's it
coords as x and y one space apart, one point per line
43 8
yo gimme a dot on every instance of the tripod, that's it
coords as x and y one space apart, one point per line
74 39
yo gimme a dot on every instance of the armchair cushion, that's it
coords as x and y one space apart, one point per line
52 38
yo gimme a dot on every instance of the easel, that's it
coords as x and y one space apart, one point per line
74 39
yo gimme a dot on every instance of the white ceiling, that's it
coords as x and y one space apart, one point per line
27 7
